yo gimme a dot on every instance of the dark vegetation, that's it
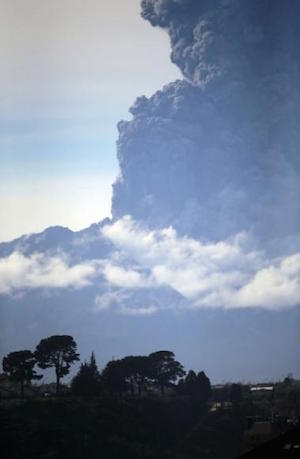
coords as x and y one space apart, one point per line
137 407
117 428
20 367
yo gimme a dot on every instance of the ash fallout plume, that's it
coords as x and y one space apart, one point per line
226 40
218 152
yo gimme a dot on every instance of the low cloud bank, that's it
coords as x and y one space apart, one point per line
217 274
125 303
20 272
147 270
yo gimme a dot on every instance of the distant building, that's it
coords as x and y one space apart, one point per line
215 406
265 388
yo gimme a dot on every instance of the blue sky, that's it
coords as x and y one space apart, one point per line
70 70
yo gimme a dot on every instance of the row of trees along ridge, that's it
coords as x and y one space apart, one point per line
133 374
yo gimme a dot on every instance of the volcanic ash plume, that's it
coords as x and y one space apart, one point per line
217 152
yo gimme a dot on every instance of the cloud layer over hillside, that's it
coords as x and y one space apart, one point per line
224 274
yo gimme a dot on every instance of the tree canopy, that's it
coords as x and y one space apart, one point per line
165 369
136 369
58 351
114 377
19 365
135 372
196 386
87 381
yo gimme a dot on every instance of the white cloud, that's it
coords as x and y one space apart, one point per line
122 277
274 286
18 272
108 299
217 274
125 302
140 311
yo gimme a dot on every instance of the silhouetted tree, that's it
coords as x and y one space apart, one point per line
114 377
93 366
204 387
191 384
288 380
58 351
87 380
196 386
19 366
136 370
164 369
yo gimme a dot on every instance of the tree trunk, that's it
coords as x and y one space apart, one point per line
57 383
162 389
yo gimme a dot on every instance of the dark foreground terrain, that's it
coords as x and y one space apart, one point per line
115 428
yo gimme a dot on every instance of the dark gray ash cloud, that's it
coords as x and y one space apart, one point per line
229 39
218 152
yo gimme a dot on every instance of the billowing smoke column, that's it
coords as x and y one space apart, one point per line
226 40
218 152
